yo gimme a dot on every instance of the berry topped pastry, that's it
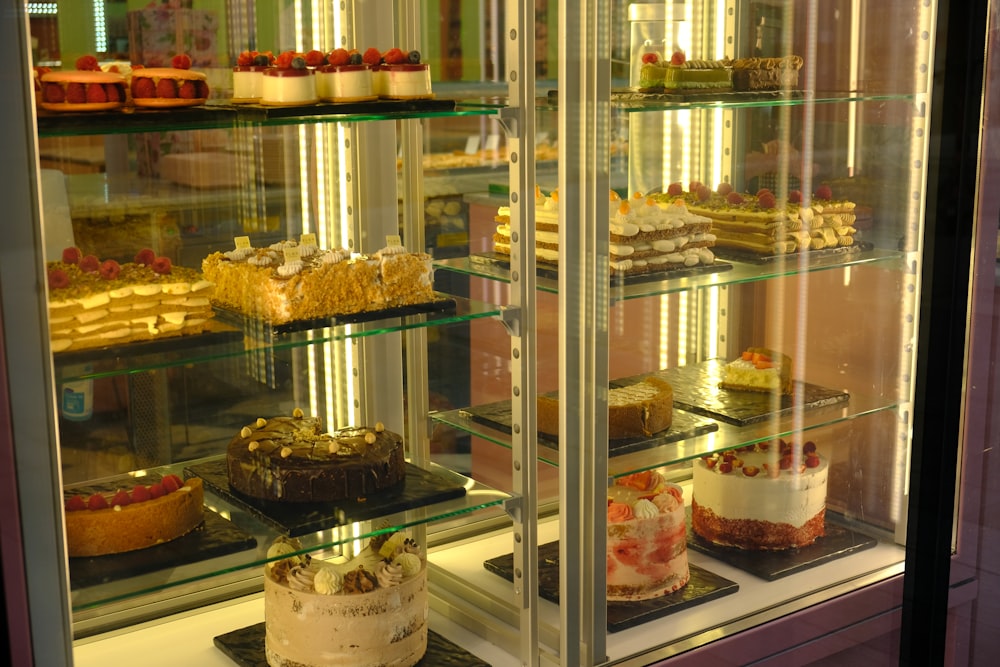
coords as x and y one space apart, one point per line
165 87
86 88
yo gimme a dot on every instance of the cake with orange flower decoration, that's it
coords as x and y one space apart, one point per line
647 538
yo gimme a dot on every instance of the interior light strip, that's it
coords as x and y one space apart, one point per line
43 8
100 28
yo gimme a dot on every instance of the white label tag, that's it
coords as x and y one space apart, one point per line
243 243
471 145
308 238
292 254
493 142
393 240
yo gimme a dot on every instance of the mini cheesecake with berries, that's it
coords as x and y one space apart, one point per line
759 369
290 82
136 518
95 303
680 74
86 88
248 75
401 76
768 496
348 76
168 87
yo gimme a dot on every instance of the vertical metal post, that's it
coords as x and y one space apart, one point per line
584 277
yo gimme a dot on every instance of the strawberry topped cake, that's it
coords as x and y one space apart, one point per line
767 496
86 88
647 538
131 519
168 87
291 81
348 76
402 76
679 73
248 75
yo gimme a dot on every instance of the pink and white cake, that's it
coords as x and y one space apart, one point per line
768 496
248 75
289 82
647 538
368 612
348 76
402 76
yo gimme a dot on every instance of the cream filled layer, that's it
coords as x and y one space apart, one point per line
288 86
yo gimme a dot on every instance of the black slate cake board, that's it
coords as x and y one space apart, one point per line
696 389
685 425
262 329
703 586
213 538
245 647
546 270
839 541
821 256
420 488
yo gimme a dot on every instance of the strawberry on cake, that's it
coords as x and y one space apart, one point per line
168 87
86 88
348 76
290 82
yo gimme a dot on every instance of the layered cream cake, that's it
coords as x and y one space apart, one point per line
635 411
645 236
758 369
248 75
292 459
757 74
681 74
291 281
94 303
370 611
761 225
131 519
768 496
647 538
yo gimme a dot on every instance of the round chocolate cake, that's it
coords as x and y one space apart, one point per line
291 459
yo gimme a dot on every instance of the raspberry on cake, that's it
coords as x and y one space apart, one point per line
647 538
768 496
167 87
138 518
759 369
369 611
94 303
85 89
292 459
679 73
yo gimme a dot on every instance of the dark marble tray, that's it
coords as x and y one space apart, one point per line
696 389
215 537
420 488
703 586
263 330
245 647
839 541
546 270
685 425
812 257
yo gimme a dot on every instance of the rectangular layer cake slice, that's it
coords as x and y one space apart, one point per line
759 369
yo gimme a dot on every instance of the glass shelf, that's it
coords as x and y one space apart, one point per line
631 101
231 340
216 115
122 584
725 437
740 272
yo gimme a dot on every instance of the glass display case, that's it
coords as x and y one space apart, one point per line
805 153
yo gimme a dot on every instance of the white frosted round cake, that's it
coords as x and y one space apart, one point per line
402 76
248 75
368 612
348 76
647 538
769 496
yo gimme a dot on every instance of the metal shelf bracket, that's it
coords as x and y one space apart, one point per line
510 317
